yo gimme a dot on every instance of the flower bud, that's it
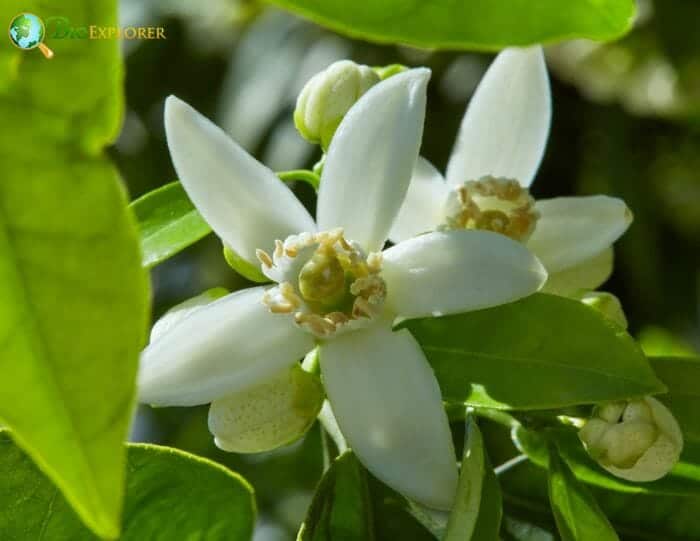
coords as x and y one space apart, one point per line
327 96
638 440
268 415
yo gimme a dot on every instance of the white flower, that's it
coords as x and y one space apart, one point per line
335 289
498 150
638 440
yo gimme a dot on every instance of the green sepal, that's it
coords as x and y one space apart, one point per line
243 267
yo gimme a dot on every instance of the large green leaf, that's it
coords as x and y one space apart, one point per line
541 352
170 495
74 297
341 506
476 514
684 479
469 24
168 223
682 377
575 510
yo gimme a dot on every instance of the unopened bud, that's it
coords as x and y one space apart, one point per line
638 440
327 97
268 415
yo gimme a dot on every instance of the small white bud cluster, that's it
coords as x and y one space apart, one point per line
638 440
327 97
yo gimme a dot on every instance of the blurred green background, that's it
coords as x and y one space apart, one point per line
626 122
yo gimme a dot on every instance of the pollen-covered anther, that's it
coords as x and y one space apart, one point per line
282 299
493 204
325 281
264 258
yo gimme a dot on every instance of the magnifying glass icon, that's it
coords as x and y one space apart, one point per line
27 31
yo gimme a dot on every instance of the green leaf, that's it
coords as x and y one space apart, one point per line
682 377
541 352
636 517
74 297
341 508
476 514
170 495
471 24
684 479
168 223
576 512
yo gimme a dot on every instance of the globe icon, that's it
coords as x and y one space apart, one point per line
27 32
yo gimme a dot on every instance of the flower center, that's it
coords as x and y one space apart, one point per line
493 204
324 281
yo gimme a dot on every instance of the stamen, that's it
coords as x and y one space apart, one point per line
493 204
264 258
325 281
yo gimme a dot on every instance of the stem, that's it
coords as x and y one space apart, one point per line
509 464
303 175
497 416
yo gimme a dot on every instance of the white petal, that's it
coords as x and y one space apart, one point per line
504 131
589 274
572 230
241 199
423 207
370 159
230 344
181 311
388 405
458 271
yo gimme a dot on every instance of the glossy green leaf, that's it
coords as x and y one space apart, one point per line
682 377
170 495
476 514
541 352
341 506
684 479
74 297
576 512
471 24
168 223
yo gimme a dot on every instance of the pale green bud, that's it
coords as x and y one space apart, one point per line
637 440
268 415
327 97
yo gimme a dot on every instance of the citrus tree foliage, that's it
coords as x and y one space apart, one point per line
465 380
